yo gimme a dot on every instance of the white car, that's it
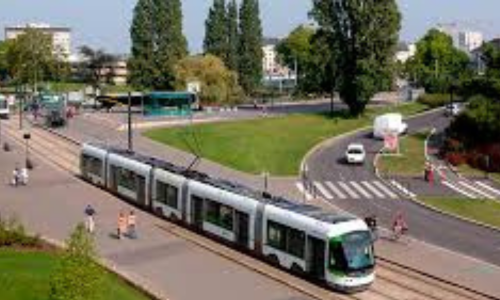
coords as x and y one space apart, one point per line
355 154
454 109
389 123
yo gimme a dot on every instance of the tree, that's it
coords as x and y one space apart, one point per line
31 58
78 277
4 62
219 85
232 36
157 43
438 63
141 65
171 42
364 33
250 62
97 66
216 31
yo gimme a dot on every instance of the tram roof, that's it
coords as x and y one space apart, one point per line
280 202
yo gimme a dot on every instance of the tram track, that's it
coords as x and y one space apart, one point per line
394 282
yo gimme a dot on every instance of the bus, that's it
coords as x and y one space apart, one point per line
4 108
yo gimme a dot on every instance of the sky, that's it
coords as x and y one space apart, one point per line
105 23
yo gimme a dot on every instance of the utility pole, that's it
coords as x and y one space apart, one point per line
129 115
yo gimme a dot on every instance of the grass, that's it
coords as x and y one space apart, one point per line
411 162
25 275
485 211
275 145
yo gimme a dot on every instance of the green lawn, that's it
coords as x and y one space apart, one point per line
411 161
470 171
485 211
274 145
25 276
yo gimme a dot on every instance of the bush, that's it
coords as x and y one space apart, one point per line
13 233
456 159
434 100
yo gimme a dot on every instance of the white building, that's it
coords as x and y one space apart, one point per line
61 36
405 52
464 39
270 62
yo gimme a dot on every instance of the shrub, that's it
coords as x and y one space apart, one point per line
13 233
434 100
456 159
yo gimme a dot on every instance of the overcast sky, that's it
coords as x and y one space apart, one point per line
107 27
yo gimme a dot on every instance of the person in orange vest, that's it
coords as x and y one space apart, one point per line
122 225
131 225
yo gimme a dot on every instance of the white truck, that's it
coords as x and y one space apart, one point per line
389 124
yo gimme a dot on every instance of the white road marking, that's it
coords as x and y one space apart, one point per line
360 190
376 192
348 190
403 189
460 191
301 188
323 191
337 191
476 190
386 190
489 188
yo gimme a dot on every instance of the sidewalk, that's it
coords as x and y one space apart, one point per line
53 203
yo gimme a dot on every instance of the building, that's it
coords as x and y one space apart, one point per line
464 39
270 63
61 36
405 51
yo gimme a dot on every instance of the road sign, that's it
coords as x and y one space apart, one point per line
194 87
391 142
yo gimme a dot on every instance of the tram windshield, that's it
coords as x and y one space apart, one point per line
353 252
3 103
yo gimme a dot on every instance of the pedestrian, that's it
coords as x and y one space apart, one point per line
122 225
16 176
132 225
371 222
23 176
89 221
399 226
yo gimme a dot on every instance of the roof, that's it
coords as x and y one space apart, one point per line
170 95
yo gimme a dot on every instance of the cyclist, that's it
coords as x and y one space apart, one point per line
399 225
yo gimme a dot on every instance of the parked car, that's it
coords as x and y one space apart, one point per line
355 154
389 123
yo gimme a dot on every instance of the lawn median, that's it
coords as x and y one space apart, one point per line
276 144
411 159
483 211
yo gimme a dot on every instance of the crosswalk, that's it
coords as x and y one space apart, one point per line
473 190
344 190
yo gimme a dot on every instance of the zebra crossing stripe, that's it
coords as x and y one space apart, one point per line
476 190
337 191
372 189
323 191
460 191
360 190
301 188
385 189
348 190
489 188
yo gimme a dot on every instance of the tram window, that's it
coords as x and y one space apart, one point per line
127 179
296 242
276 235
336 258
167 194
92 165
219 215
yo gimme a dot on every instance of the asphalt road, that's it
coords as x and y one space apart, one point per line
327 165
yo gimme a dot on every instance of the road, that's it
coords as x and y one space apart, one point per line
327 168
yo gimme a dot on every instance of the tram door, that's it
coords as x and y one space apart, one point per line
141 190
197 212
316 257
242 226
